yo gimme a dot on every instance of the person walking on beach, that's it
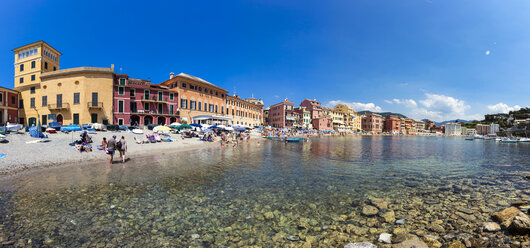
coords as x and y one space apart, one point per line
122 148
111 147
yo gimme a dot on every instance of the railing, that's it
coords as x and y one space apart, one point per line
58 106
155 99
95 105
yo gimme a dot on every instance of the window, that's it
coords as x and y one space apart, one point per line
232 111
183 85
160 94
32 90
13 100
76 119
192 87
32 102
184 103
120 106
120 121
22 67
215 108
1 98
32 64
21 103
160 108
44 101
94 98
44 120
222 110
146 94
76 98
45 65
210 107
134 108
133 92
32 77
121 90
122 81
216 93
200 106
211 92
21 80
146 106
170 109
171 96
200 89
192 105
54 68
205 106
59 100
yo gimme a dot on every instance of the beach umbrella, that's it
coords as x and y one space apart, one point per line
183 126
175 124
221 126
206 125
229 129
161 129
241 129
207 131
195 125
214 126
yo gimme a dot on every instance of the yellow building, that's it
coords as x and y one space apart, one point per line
71 96
351 119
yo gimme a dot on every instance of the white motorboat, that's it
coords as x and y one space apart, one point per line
11 127
2 138
99 127
509 140
524 139
138 131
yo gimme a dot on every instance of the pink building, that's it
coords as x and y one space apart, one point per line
9 106
313 106
281 115
137 102
323 123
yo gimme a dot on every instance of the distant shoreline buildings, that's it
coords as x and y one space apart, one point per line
43 92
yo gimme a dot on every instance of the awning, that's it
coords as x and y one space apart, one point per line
211 117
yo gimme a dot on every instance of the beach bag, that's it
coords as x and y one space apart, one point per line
118 145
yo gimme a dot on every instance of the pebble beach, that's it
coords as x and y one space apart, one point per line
21 156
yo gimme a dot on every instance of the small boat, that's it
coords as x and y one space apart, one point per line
524 139
2 138
138 131
51 130
509 140
71 128
55 125
498 139
294 139
471 138
11 128
99 127
91 131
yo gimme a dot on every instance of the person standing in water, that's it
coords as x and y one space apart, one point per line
122 147
111 147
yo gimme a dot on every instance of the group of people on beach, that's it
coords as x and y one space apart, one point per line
112 145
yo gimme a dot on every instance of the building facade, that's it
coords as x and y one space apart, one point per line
323 123
8 106
494 128
453 129
483 129
304 117
199 100
351 119
247 112
281 115
392 124
313 106
137 102
372 122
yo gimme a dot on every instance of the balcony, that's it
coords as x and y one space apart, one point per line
151 112
59 106
155 99
95 105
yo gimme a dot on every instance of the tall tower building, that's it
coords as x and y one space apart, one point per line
31 61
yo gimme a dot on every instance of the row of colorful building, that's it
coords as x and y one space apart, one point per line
44 92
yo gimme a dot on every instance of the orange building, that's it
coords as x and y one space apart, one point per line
199 100
392 124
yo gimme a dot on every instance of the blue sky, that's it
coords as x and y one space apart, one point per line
426 58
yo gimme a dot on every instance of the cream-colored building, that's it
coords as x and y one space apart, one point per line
247 112
351 119
71 96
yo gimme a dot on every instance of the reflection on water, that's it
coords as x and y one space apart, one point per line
297 194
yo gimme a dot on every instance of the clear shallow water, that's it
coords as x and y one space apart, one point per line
273 193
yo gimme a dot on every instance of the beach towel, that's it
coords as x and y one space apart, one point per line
2 155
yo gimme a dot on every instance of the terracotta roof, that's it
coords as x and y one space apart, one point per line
4 88
197 79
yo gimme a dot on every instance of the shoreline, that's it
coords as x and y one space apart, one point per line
22 158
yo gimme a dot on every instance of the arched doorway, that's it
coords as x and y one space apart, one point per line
172 119
148 120
60 118
161 120
135 120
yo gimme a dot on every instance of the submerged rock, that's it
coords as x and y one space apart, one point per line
506 216
370 210
360 245
378 202
385 238
432 241
491 227
415 243
457 244
400 221
520 224
293 238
